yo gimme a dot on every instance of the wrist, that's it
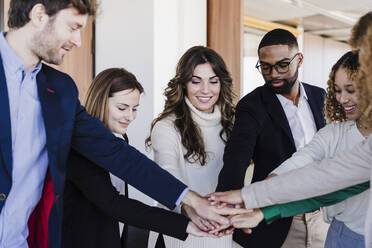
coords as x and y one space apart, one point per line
190 198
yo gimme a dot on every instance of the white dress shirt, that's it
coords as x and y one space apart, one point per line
300 118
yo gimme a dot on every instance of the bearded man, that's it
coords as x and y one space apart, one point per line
271 123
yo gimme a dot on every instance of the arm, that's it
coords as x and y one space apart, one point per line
345 169
165 143
239 149
315 150
275 212
95 142
94 183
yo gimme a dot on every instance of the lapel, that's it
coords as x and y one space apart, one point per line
52 113
5 133
276 112
315 109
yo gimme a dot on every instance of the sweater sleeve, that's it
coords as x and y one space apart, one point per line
165 143
343 170
275 212
315 150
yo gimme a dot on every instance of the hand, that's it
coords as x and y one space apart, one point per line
194 230
233 197
202 224
203 208
248 220
223 230
231 210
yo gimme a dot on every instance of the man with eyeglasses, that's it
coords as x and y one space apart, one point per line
272 122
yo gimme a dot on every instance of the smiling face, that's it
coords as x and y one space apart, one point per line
345 94
122 110
58 35
204 88
280 83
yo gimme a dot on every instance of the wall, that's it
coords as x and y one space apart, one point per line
147 37
178 25
320 54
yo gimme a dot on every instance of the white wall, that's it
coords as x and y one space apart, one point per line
320 54
147 37
124 38
251 77
178 25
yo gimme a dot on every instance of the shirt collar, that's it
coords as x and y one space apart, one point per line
11 61
284 101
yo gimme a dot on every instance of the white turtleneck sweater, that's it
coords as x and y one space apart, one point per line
169 154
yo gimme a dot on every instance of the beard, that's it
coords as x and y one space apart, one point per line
46 46
287 84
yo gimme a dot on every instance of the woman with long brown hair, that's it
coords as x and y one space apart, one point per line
189 136
93 206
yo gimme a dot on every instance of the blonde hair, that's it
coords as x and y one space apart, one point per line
104 85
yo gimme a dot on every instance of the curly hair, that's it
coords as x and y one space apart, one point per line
175 101
333 109
361 38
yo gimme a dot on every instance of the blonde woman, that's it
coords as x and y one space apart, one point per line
93 206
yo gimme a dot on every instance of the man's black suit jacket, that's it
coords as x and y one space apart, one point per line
261 133
93 207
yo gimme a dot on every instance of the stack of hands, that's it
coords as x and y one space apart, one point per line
218 214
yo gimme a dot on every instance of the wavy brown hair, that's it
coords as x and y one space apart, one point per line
361 38
104 85
333 109
175 94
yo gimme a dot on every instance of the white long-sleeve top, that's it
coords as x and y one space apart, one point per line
345 169
169 154
333 138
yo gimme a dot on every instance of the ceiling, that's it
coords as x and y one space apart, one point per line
327 18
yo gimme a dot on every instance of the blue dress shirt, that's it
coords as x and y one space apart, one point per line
30 158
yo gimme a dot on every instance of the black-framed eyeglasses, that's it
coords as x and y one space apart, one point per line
280 67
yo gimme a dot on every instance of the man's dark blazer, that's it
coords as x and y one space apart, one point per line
261 133
67 125
93 207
